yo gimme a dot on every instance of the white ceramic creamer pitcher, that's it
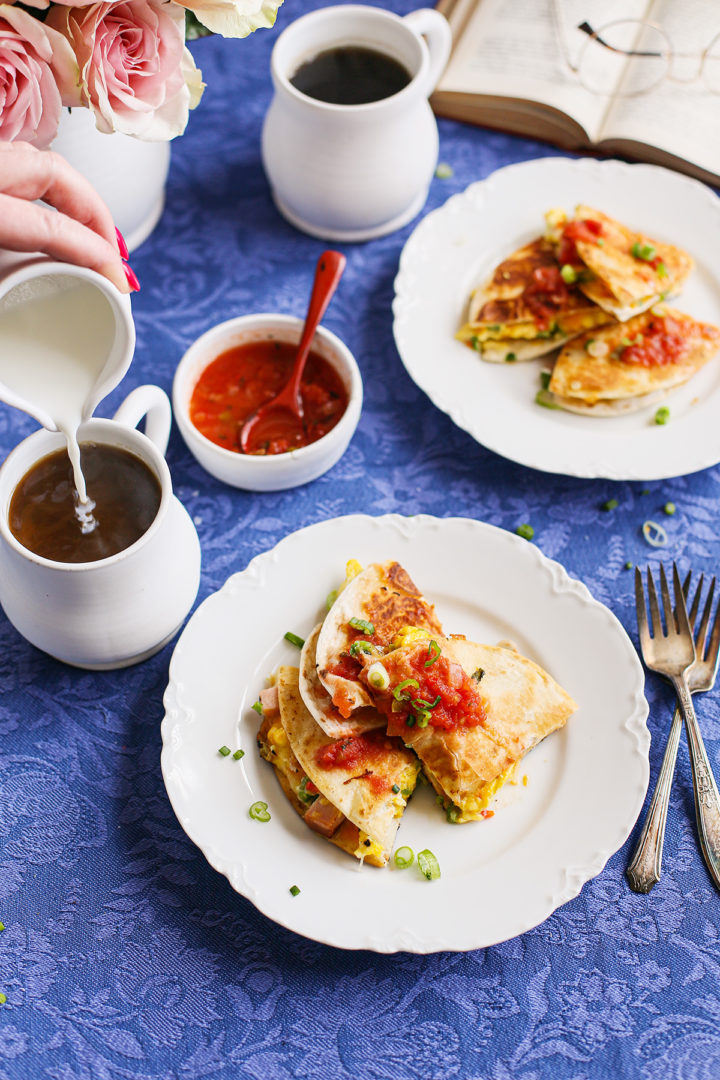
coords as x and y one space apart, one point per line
354 172
118 610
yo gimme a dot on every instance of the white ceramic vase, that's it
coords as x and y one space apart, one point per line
128 173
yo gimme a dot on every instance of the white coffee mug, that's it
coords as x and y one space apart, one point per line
354 172
119 610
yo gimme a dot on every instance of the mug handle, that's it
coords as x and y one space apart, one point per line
435 28
152 403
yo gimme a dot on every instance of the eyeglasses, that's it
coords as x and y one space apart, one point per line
629 57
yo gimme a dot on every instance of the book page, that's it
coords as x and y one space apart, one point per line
514 49
682 118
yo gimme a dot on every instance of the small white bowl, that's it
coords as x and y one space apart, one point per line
272 472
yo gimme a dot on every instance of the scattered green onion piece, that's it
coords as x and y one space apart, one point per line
363 625
654 534
259 811
611 504
398 691
410 721
475 342
331 598
546 399
433 653
545 377
568 274
427 704
645 252
588 343
510 358
257 706
361 646
406 793
600 242
294 891
526 531
669 508
2 927
452 814
478 674
428 865
377 676
645 491
628 565
303 794
494 329
404 857
662 415
423 718
395 789
661 270
3 999
238 754
625 342
294 639
443 171
224 750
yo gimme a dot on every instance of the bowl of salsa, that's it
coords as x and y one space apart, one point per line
239 365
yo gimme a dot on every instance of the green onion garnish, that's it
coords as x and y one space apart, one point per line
475 342
546 399
429 865
238 754
427 704
568 274
662 415
395 789
2 927
404 857
361 646
257 706
377 676
478 674
410 721
526 531
510 358
224 750
303 794
545 377
628 565
433 653
611 504
669 508
3 999
646 252
661 270
398 691
423 718
654 534
363 625
294 639
331 598
452 814
259 811
443 171
294 891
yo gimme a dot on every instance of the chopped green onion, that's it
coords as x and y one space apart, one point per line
257 706
423 718
611 504
654 534
331 598
545 377
2 927
363 625
510 358
406 793
646 252
661 270
224 750
588 343
427 704
429 865
404 857
259 811
294 639
410 721
493 329
294 891
3 999
452 814
398 691
568 274
526 531
433 653
625 342
669 508
395 789
628 565
475 342
377 676
238 754
662 415
361 646
303 794
546 399
478 674
443 171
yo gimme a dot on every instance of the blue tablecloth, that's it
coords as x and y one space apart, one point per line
124 954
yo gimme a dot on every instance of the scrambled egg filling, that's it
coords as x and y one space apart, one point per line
408 635
367 848
472 807
280 753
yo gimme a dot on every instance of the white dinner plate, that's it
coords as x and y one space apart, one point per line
501 876
456 247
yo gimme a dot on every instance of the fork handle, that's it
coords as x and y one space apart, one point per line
644 867
707 800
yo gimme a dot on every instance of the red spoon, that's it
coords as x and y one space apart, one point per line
283 414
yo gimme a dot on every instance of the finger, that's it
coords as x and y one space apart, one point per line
25 226
27 173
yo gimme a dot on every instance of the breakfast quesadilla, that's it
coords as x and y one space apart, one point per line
380 608
527 309
469 711
352 790
628 366
319 703
621 270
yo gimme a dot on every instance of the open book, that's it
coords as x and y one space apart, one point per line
509 69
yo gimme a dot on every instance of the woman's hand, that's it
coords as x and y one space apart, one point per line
79 230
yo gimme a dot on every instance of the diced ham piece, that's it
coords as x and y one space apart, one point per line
323 817
269 700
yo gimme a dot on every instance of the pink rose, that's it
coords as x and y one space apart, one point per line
38 75
135 71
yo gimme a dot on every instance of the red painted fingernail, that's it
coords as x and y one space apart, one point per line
122 246
131 277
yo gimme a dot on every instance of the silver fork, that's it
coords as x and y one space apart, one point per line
646 863
671 652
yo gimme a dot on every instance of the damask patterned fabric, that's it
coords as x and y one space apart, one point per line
124 954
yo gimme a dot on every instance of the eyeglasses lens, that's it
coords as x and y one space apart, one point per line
625 57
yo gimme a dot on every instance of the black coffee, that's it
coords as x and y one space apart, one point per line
350 75
44 508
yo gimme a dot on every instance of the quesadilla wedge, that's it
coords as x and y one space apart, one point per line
470 712
376 611
353 791
623 271
526 309
319 703
631 365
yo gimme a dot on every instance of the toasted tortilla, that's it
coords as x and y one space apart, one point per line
384 596
362 793
620 283
319 703
521 703
525 309
612 383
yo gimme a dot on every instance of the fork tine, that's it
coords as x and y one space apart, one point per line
693 609
654 609
681 615
704 622
713 650
670 624
641 610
